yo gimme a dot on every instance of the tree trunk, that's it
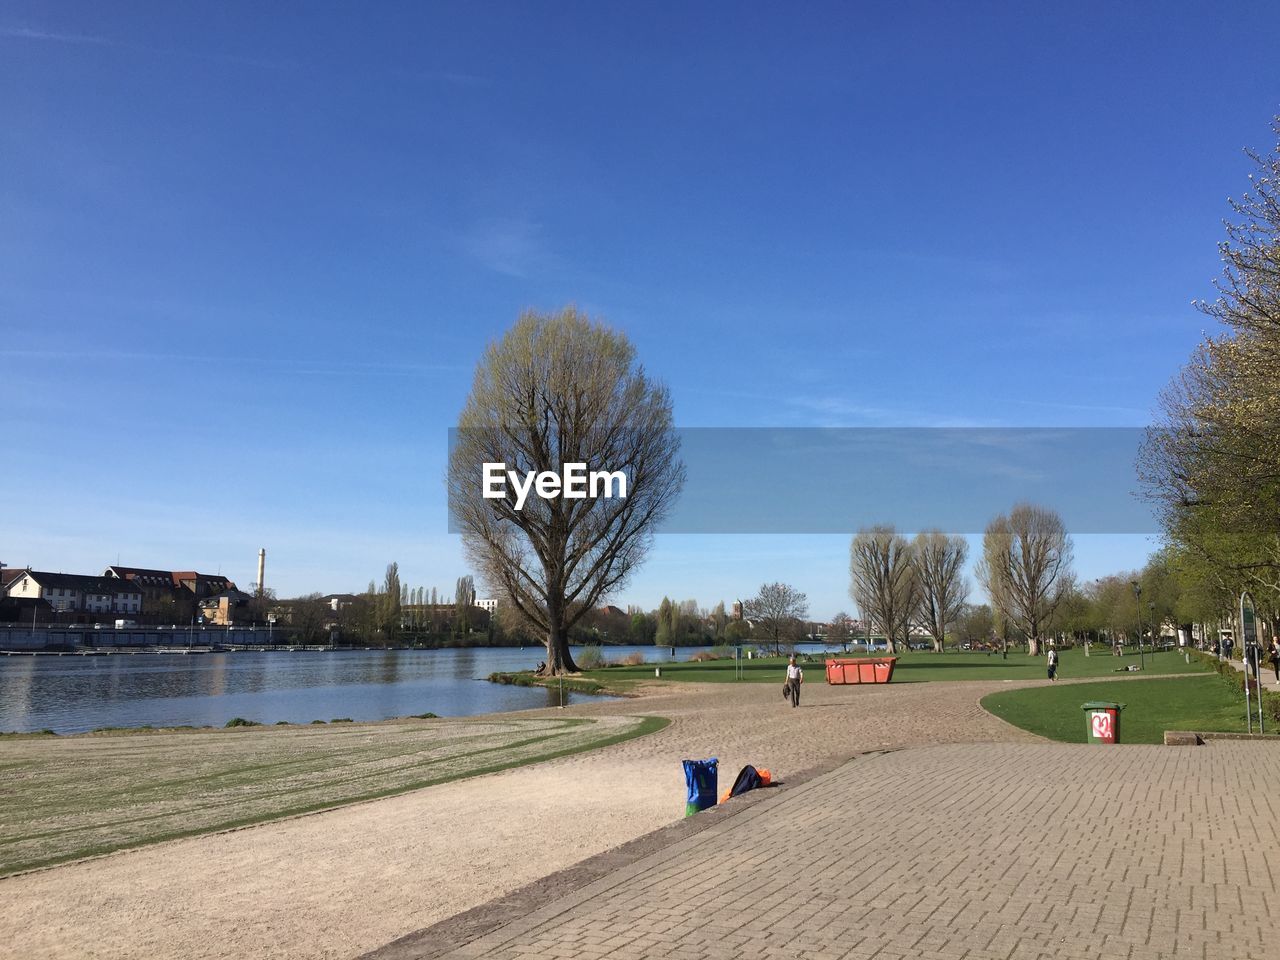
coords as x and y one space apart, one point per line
1033 646
937 645
559 659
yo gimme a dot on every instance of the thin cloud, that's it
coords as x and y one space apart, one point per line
40 35
49 36
836 411
1092 407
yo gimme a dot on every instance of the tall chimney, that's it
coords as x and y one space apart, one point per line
262 571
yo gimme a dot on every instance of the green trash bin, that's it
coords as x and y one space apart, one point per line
1102 721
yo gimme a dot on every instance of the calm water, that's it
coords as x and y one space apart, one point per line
74 694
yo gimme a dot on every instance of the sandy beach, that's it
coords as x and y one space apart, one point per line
339 883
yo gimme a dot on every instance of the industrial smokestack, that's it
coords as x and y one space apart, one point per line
262 571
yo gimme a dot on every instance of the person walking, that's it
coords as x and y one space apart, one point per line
1053 664
1275 658
795 677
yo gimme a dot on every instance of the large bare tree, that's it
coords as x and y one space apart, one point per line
1026 568
777 612
939 561
560 389
883 581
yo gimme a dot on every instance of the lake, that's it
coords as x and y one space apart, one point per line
72 694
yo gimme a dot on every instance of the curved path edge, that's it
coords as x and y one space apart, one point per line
452 933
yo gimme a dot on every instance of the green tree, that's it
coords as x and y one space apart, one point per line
719 620
664 636
389 601
643 627
975 624
1212 463
464 598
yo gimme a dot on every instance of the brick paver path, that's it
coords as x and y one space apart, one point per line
978 851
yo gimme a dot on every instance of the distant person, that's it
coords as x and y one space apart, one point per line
1053 664
1227 646
1274 658
795 677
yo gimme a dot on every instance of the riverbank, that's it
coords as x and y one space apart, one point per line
345 881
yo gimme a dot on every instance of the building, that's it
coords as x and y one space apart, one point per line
7 576
171 596
75 593
488 605
337 601
226 608
154 582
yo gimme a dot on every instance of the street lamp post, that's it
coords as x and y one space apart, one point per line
1137 597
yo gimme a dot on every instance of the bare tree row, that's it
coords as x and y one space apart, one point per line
901 585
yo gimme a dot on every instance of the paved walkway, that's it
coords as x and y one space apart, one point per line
973 851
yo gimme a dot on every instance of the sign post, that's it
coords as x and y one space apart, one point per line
1249 638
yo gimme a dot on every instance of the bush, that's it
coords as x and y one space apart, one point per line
1235 679
632 660
590 658
241 722
341 720
314 722
702 656
1271 706
424 716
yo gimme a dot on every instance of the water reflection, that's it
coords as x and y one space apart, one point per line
73 694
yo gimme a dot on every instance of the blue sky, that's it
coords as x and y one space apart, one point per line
248 262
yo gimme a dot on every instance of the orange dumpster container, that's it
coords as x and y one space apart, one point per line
861 670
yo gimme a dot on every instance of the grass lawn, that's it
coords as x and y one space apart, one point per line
911 668
70 797
1151 708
